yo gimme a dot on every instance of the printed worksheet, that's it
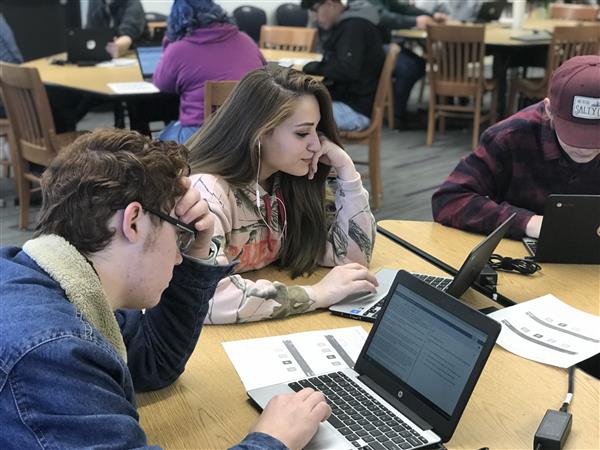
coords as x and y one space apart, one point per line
549 331
276 359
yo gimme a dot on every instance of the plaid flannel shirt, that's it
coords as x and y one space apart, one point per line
517 164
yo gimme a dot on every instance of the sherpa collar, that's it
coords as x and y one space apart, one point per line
81 284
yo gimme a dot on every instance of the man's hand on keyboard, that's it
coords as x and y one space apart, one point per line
294 418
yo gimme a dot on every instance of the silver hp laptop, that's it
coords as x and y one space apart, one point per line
570 231
148 58
363 306
413 377
86 47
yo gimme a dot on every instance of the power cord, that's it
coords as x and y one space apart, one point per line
556 425
523 266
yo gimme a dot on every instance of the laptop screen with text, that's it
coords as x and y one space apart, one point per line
431 350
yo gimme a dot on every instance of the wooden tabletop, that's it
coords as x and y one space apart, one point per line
95 79
500 35
208 408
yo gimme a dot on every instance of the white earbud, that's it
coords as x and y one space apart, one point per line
257 177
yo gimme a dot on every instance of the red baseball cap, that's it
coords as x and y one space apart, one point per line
575 101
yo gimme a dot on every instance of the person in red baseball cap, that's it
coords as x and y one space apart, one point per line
551 147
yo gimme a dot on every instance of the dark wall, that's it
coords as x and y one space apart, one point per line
40 25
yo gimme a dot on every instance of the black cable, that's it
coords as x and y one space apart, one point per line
506 264
490 293
570 385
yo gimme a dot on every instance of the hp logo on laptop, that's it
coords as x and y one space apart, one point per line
91 44
598 231
400 394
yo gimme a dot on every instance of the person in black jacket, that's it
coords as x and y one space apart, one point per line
352 58
125 16
397 15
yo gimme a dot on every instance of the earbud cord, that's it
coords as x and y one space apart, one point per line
284 227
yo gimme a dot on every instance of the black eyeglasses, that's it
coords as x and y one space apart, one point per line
186 234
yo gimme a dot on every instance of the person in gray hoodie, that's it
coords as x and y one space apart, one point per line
353 57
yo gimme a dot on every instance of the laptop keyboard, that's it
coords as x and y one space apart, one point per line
360 417
440 283
531 245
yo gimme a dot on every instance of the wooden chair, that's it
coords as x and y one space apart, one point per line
573 12
372 135
215 94
34 136
456 69
294 39
566 43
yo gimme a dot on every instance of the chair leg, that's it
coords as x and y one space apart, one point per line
431 119
476 122
390 105
512 97
494 107
375 169
24 195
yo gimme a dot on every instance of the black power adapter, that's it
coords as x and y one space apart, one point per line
553 430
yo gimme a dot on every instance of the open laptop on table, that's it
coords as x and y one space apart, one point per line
490 11
148 58
570 231
413 377
87 47
363 306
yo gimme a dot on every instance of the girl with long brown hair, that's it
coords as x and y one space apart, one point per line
262 164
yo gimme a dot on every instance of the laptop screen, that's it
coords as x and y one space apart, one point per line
148 58
431 350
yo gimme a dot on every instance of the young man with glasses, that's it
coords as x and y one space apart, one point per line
120 230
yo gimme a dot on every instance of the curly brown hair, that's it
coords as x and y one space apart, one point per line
104 171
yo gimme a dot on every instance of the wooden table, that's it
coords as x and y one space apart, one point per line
508 52
95 79
208 408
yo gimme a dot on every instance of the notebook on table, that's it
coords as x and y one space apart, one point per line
570 232
363 306
410 384
87 47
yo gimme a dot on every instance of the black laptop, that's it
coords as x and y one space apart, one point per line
366 306
87 47
413 377
490 11
148 57
570 231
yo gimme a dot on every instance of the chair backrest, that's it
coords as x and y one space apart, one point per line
249 19
455 54
383 85
29 113
568 42
574 12
293 39
291 15
215 94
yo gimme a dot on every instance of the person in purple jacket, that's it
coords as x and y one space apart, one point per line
201 44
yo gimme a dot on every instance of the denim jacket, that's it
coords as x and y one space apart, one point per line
68 369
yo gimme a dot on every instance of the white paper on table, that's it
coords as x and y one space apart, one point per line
135 87
277 359
290 62
118 62
549 331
